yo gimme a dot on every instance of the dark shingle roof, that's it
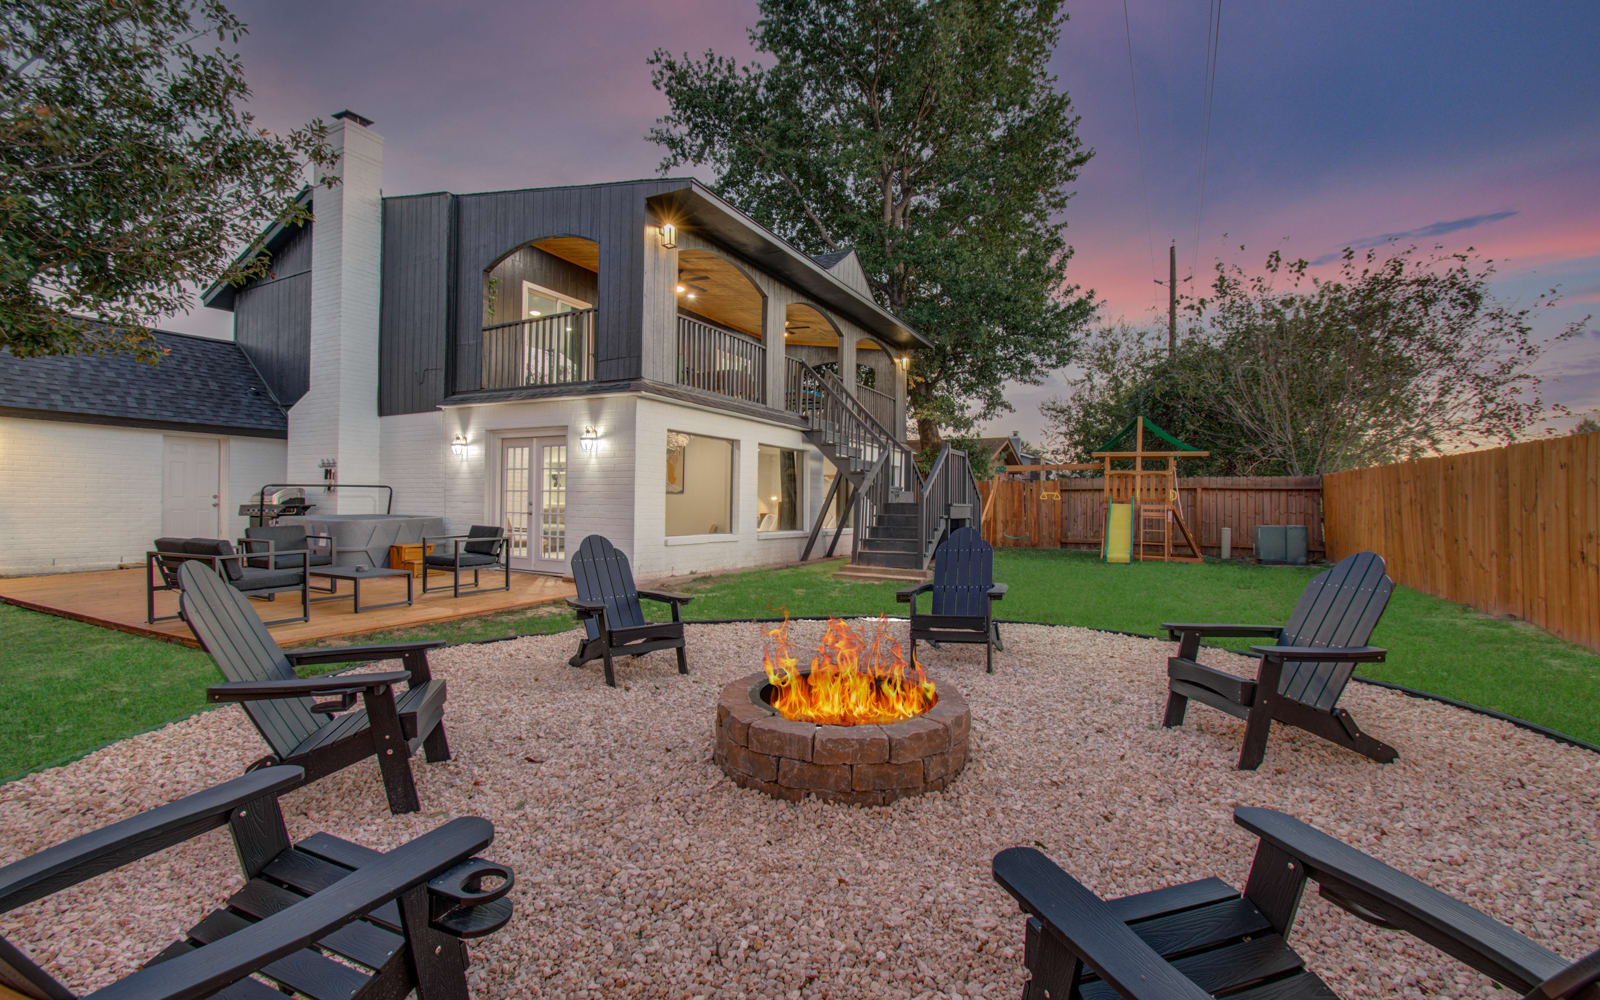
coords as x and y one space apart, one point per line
201 384
827 260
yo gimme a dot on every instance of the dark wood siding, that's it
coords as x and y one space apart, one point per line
613 215
414 318
272 318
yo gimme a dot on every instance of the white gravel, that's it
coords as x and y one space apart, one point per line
644 872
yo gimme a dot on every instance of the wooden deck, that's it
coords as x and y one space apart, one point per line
116 599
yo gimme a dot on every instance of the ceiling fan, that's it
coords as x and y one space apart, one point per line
691 285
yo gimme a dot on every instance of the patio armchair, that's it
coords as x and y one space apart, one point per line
1205 939
1300 677
271 546
608 606
484 546
290 574
320 736
321 918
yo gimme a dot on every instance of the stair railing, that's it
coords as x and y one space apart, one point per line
949 493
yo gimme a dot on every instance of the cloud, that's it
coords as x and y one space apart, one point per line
1422 233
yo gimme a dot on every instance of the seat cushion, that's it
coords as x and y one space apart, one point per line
216 547
469 560
254 578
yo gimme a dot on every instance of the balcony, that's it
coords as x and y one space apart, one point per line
712 359
549 350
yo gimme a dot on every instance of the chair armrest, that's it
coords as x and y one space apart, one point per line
113 846
905 594
205 970
1221 630
360 654
586 609
1377 893
297 687
1088 927
1323 654
664 597
998 591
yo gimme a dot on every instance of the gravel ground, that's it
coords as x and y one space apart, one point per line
643 872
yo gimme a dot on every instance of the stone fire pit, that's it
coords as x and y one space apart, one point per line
867 765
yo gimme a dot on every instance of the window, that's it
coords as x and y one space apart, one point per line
778 492
699 484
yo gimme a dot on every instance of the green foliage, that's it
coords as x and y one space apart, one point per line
128 172
1588 423
927 136
1391 358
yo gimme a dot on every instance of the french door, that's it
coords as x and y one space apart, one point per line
533 502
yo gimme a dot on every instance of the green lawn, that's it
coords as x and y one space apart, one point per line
72 687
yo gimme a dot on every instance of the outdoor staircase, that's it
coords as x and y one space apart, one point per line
899 516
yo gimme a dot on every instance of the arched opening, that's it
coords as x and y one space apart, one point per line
875 377
538 313
721 327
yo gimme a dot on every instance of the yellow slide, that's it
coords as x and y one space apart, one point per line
1117 546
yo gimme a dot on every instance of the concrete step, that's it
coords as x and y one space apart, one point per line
860 573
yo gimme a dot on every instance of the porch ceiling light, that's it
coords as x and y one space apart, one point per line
458 446
669 236
589 440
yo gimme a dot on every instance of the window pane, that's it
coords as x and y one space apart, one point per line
699 484
778 491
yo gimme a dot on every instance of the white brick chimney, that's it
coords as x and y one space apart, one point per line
337 419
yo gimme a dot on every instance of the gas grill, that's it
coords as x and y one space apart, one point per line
283 501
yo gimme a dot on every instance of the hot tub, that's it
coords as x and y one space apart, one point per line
364 539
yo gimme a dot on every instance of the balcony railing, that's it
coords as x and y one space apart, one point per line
719 361
549 350
880 405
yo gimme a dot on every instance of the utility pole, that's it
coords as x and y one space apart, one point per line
1172 299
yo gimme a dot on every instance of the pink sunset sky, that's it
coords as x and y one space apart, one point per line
1333 125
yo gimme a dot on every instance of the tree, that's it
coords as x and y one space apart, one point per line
1391 358
1588 423
128 172
928 137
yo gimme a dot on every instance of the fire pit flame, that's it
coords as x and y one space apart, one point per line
853 680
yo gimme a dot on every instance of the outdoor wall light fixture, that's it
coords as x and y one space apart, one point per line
589 440
458 446
904 361
669 236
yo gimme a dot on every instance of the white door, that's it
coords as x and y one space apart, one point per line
190 488
533 502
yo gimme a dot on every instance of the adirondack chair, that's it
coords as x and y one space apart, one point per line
1204 939
608 605
964 593
309 734
1301 677
323 918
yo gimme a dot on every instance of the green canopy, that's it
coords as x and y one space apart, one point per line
1149 426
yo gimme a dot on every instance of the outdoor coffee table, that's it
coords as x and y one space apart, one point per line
355 574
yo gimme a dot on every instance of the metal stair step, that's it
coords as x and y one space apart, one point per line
879 543
906 560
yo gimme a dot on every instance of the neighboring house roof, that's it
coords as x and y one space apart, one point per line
1002 450
201 385
831 258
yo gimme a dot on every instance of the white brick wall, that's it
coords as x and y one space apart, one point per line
337 418
414 449
88 496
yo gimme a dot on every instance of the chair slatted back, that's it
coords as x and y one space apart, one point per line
963 572
603 574
24 977
231 631
1340 607
1580 980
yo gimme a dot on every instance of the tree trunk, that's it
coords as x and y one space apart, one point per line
928 438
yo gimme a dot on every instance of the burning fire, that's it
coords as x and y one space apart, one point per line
852 681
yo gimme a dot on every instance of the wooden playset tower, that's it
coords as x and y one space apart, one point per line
1142 503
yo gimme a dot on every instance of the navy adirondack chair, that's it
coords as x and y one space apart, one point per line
963 595
320 918
1301 676
608 605
1205 939
321 737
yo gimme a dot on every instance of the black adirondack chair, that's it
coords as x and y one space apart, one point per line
323 918
608 605
321 737
964 593
1301 677
1204 939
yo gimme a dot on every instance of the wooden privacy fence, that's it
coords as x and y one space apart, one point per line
1019 518
1512 530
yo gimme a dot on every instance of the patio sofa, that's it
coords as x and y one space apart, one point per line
162 562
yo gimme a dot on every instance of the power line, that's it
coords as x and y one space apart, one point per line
1138 132
1208 105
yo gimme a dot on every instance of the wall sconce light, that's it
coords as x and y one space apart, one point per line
669 236
589 440
458 446
904 361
